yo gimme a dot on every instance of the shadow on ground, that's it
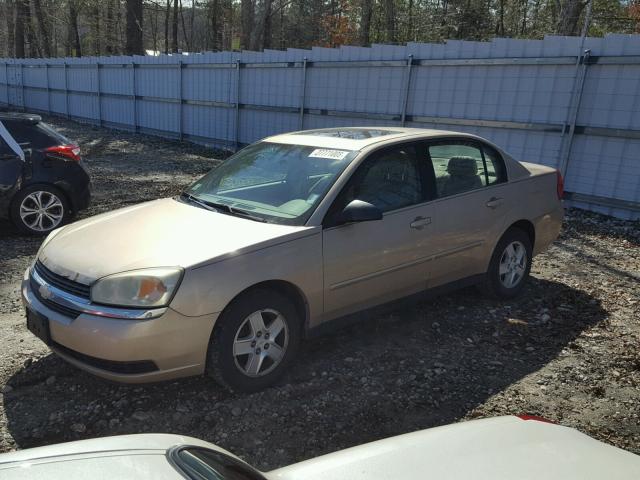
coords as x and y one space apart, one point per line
417 367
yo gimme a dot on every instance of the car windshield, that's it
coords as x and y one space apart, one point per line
272 182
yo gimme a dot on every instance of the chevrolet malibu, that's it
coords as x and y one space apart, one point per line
503 448
287 237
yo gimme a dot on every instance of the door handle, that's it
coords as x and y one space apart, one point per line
494 202
420 222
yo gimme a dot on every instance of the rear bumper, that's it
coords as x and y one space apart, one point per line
130 351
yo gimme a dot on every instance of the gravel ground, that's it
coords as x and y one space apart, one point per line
567 349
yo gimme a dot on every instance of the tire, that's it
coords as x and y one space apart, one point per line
239 329
51 207
509 269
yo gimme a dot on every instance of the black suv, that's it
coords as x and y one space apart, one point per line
43 181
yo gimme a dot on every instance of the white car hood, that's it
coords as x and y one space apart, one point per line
161 233
504 448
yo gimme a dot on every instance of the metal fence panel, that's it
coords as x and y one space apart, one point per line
565 102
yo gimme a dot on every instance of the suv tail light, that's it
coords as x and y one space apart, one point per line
71 152
535 418
559 184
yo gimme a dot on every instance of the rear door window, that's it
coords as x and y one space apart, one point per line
463 166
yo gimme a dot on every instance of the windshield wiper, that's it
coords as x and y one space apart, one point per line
199 202
217 207
242 213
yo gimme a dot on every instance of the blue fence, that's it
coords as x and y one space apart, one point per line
561 101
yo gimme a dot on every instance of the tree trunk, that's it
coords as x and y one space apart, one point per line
247 14
365 22
267 32
213 41
187 41
167 14
74 48
10 12
45 38
97 37
569 16
259 39
22 16
500 27
390 20
174 27
109 29
133 42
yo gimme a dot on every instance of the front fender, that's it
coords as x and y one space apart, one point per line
210 288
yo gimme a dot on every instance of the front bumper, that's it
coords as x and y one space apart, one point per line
124 350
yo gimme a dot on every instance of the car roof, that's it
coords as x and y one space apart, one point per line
357 138
29 118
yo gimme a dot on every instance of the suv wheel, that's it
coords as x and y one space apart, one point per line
254 341
510 265
38 209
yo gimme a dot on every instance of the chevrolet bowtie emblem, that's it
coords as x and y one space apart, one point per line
45 292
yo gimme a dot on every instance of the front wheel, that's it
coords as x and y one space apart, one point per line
510 265
254 341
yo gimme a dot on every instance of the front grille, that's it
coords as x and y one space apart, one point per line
137 366
63 283
56 307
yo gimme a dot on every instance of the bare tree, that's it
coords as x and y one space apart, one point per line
22 16
174 27
110 30
10 12
45 38
569 16
247 18
134 44
366 11
390 20
74 48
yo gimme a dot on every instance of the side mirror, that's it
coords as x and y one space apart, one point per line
359 211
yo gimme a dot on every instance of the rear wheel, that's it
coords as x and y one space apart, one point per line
510 265
254 341
38 209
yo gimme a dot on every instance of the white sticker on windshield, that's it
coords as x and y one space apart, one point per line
327 153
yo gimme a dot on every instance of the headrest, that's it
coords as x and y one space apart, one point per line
462 167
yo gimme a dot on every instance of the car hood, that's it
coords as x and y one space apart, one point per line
160 233
491 449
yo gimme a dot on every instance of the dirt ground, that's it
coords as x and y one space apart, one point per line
567 349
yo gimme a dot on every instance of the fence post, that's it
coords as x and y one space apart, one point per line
576 98
303 92
180 95
98 93
66 90
237 122
6 77
407 86
46 71
133 96
22 86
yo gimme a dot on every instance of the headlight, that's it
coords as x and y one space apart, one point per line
151 287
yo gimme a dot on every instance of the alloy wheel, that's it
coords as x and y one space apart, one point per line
260 343
41 211
513 264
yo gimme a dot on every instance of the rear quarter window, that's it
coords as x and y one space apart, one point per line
37 136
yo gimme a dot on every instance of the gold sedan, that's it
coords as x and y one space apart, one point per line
288 236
